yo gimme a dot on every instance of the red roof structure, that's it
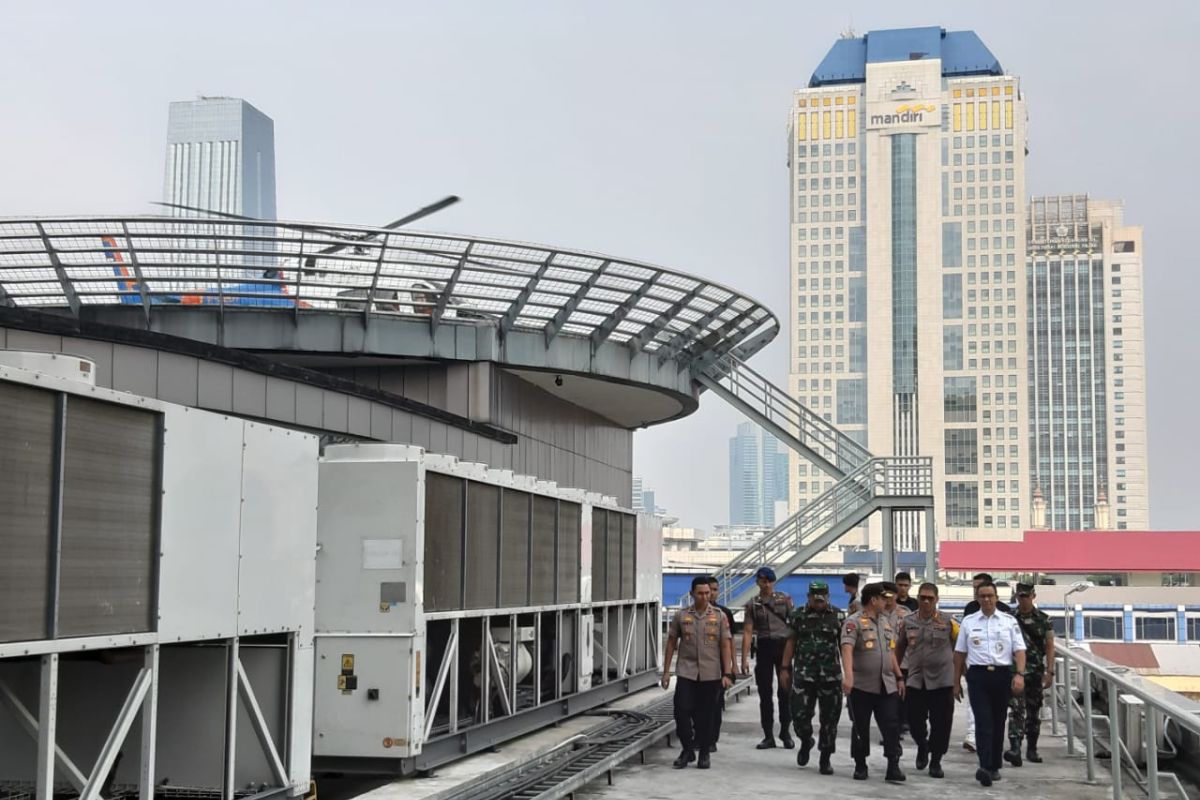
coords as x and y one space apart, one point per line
1078 552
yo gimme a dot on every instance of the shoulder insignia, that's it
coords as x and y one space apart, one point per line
850 626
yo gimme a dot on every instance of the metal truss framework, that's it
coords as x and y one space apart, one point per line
151 262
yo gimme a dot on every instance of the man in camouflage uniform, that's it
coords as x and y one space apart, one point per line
1025 711
813 666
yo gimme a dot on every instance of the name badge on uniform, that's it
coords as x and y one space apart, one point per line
869 645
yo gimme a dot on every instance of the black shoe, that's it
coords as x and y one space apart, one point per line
786 740
922 757
984 777
685 758
703 762
712 748
860 770
1032 755
935 768
767 743
894 773
1013 757
826 767
802 756
995 775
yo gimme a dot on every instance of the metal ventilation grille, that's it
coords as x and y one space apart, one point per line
483 544
569 515
443 542
541 551
628 555
599 557
26 493
109 519
514 553
612 557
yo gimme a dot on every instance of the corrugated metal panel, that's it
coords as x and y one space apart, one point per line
541 552
628 556
612 550
599 557
26 489
569 534
482 556
443 542
514 555
109 519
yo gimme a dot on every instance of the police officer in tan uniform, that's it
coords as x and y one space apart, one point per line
767 619
925 647
872 680
700 634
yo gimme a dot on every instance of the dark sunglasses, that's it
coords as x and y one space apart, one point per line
927 598
1024 594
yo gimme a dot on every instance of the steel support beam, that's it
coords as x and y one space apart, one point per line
448 290
618 315
232 658
48 719
652 329
9 698
685 337
375 280
137 273
889 546
510 318
149 726
568 308
931 544
116 736
439 685
259 724
68 288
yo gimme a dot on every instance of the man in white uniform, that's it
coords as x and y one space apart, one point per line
990 645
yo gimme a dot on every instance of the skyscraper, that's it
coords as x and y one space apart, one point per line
758 469
220 157
1087 364
907 162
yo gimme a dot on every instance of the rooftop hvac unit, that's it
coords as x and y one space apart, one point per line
70 368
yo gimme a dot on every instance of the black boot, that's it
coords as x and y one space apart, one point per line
703 763
860 769
685 758
894 773
826 767
785 738
922 756
935 768
802 756
1013 754
767 743
1031 752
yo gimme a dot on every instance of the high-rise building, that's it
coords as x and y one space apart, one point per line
1087 364
758 468
220 157
639 504
907 160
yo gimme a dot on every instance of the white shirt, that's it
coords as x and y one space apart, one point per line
989 641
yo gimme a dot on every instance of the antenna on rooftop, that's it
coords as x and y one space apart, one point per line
849 33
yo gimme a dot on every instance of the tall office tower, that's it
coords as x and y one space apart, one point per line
1087 365
638 503
907 159
220 157
758 473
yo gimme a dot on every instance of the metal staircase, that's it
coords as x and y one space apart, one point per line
866 483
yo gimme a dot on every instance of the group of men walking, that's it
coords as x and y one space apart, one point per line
892 657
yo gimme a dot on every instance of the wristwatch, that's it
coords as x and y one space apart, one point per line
730 675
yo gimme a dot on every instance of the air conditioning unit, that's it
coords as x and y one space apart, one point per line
72 368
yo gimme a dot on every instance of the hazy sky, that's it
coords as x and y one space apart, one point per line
649 130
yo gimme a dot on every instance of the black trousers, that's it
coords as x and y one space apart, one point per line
886 709
718 715
695 702
766 669
990 692
935 706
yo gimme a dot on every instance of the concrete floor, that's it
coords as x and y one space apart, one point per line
740 771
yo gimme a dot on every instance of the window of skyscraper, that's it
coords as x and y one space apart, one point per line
962 504
959 399
851 401
962 451
952 296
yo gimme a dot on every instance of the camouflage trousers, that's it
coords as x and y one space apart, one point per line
1025 710
806 698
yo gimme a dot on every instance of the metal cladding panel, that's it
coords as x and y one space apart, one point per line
482 556
443 541
649 557
369 515
300 742
201 522
27 432
277 573
109 519
542 564
347 723
568 552
612 550
599 555
628 556
514 552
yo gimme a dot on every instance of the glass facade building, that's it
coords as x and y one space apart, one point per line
758 470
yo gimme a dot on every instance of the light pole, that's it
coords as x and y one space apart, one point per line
1077 587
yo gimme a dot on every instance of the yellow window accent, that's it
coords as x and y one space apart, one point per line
983 116
852 123
826 101
826 119
995 115
970 116
837 101
995 91
851 99
839 126
813 124
970 92
1008 90
958 116
958 92
1008 114
800 103
801 127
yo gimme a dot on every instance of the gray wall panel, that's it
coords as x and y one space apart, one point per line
310 406
34 342
381 422
281 400
99 352
135 370
249 393
216 386
359 416
337 411
178 379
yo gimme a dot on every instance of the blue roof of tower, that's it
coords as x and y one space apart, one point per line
961 53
